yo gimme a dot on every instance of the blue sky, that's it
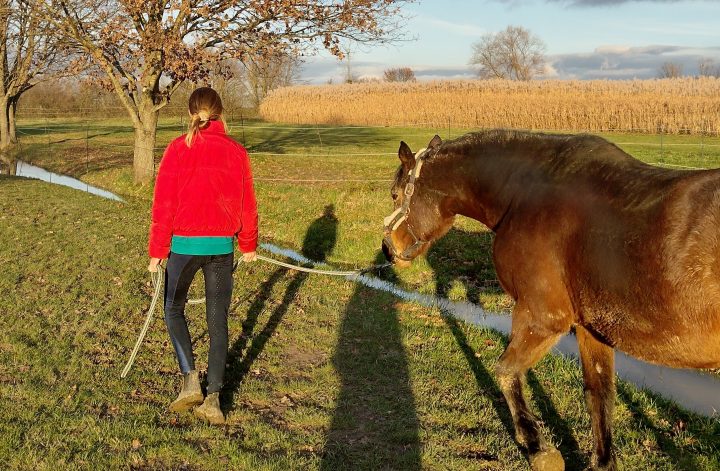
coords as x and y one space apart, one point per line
585 38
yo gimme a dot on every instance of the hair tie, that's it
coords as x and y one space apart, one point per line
204 116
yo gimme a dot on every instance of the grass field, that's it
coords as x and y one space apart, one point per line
323 373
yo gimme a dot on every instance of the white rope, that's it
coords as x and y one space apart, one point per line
157 281
324 180
318 271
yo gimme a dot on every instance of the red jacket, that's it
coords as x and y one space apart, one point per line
204 190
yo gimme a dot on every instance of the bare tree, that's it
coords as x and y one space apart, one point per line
400 74
671 70
707 68
265 73
514 53
29 54
144 50
347 51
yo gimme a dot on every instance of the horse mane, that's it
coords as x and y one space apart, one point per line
562 158
543 148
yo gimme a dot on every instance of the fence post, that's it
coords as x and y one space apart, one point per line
662 148
662 144
87 148
242 126
317 129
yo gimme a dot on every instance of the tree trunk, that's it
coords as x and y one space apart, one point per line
12 167
5 141
8 163
144 155
12 129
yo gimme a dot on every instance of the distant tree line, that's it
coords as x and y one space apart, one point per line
244 88
706 68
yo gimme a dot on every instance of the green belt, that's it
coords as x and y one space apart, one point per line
201 245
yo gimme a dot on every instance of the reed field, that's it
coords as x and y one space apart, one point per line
672 106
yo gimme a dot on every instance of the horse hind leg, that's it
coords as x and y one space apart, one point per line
529 342
599 376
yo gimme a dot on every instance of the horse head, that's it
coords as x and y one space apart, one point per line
421 214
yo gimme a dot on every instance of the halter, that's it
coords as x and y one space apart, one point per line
401 214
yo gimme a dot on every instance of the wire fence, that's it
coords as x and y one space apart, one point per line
83 135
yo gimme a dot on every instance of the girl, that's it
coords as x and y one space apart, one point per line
204 198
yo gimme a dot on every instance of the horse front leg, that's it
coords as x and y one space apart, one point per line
599 375
530 340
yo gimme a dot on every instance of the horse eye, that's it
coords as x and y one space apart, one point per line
394 196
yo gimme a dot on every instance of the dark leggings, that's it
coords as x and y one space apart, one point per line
179 273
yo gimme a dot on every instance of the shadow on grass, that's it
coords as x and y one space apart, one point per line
286 140
74 160
319 242
465 257
676 423
36 127
375 424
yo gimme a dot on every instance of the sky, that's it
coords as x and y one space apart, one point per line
585 39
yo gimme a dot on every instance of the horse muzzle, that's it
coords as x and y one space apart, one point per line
403 258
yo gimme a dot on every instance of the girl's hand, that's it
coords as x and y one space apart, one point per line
154 262
249 257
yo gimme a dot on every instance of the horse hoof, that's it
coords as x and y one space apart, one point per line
547 460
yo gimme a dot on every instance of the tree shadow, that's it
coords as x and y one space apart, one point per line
282 140
41 128
466 257
319 241
677 422
375 424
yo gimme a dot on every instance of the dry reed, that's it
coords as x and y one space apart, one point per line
687 105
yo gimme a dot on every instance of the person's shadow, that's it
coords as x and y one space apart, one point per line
318 243
375 424
466 257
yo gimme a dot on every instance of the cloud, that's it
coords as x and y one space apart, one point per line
625 62
321 69
612 62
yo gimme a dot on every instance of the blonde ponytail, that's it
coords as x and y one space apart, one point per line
193 129
204 106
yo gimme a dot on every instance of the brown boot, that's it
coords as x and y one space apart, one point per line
190 395
210 410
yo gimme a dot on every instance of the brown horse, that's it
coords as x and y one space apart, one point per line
587 237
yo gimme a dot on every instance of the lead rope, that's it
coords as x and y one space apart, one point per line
158 278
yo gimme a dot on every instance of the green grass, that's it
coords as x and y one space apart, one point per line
323 373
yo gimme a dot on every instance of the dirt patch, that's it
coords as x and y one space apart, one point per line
270 413
298 360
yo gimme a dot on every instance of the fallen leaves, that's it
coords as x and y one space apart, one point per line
136 444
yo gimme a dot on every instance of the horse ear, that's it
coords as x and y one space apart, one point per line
406 156
435 142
